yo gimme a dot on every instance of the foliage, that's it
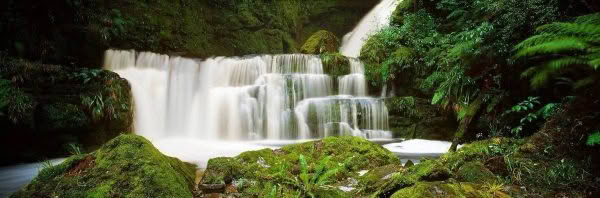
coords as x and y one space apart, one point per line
561 49
452 86
15 105
317 184
527 106
86 75
75 149
593 139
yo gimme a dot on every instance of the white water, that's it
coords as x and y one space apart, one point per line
248 98
377 18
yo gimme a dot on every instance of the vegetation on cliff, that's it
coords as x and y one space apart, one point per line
467 58
52 107
78 31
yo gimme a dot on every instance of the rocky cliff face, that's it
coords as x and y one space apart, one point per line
52 110
77 32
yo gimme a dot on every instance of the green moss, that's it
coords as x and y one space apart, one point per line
321 42
476 172
127 166
440 189
335 64
403 8
264 166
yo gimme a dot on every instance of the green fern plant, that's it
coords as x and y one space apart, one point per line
316 184
564 47
527 106
74 149
453 86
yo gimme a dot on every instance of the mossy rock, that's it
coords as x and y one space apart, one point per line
52 106
427 170
267 166
443 189
127 166
220 171
321 42
375 178
335 64
475 172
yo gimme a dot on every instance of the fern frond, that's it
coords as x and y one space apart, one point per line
540 79
559 28
589 19
585 82
595 63
554 47
324 179
561 63
304 172
529 72
320 169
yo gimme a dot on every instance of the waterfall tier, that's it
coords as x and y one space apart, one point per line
239 98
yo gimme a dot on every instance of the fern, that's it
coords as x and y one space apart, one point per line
315 184
567 47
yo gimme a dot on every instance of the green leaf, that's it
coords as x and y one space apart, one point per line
437 97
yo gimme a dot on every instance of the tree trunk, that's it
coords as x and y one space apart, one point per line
463 126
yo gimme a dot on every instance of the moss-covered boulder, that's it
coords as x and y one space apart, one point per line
335 64
127 166
254 173
443 189
416 118
321 42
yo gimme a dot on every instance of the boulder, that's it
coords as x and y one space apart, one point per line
339 158
321 42
127 166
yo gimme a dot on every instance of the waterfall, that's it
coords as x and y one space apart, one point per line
377 18
275 97
248 98
261 97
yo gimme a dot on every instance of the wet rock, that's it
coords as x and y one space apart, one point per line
416 118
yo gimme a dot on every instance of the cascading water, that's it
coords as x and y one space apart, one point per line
199 109
249 98
377 18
